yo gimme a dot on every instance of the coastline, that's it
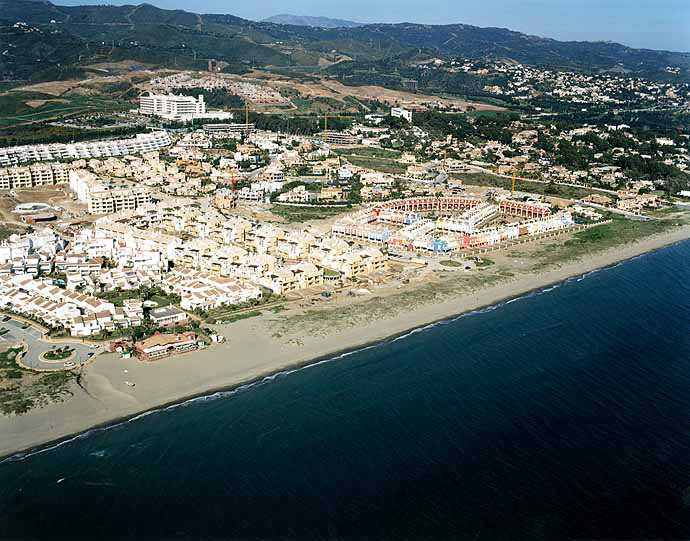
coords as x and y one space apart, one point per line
252 355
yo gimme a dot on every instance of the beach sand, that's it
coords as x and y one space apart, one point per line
253 351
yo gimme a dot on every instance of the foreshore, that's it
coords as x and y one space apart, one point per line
253 351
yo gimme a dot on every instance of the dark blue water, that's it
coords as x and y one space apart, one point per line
562 414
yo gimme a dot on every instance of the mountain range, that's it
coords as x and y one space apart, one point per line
306 20
68 36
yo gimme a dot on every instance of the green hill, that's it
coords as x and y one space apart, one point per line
179 38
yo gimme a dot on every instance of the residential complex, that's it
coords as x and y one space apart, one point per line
35 175
220 217
338 138
93 149
104 196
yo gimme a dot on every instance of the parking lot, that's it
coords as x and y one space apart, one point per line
18 331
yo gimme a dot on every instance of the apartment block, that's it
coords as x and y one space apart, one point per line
338 138
143 142
105 196
35 175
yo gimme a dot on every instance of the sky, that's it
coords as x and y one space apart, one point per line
652 24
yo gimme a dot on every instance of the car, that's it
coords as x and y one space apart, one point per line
93 346
6 318
89 355
69 364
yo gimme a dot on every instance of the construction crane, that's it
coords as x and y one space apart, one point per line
325 126
325 123
246 114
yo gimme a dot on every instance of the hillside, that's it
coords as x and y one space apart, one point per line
29 52
305 20
177 38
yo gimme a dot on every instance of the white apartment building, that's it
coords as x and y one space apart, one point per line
143 142
36 175
106 197
172 106
399 112
273 174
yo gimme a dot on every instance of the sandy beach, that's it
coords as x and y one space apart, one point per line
254 349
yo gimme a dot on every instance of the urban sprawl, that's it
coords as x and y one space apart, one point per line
201 213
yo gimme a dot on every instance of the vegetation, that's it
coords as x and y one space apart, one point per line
33 107
298 125
214 98
303 214
58 354
557 190
239 317
602 237
7 230
368 152
22 390
156 294
385 165
184 40
221 314
37 133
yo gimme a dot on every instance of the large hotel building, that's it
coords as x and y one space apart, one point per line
172 106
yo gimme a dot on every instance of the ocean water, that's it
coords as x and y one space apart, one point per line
565 413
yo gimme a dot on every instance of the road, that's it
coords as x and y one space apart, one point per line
36 346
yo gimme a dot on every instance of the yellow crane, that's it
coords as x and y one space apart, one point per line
325 123
246 113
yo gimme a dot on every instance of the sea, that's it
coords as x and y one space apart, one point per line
564 413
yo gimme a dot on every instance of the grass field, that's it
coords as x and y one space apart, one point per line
384 165
238 317
596 239
369 152
485 179
379 159
15 110
303 214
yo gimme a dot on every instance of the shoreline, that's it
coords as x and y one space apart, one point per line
107 404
